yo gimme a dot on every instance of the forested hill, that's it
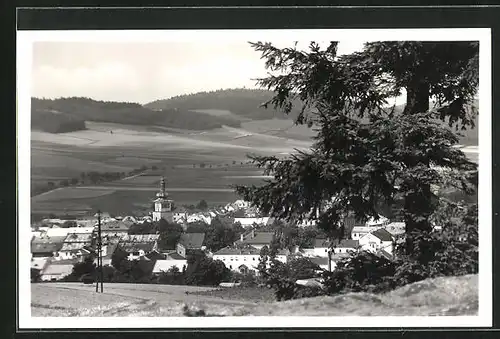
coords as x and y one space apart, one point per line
68 114
246 103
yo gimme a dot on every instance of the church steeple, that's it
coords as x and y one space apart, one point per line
162 193
162 204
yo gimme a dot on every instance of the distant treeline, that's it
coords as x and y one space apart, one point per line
82 109
243 102
55 122
91 177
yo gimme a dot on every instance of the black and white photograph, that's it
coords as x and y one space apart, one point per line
311 178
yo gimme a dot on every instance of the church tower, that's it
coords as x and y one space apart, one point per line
162 204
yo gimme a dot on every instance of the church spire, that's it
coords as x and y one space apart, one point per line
162 186
162 193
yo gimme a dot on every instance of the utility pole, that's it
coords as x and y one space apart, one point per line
99 275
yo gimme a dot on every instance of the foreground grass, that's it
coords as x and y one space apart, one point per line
253 294
448 296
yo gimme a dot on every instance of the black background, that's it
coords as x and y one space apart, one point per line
369 16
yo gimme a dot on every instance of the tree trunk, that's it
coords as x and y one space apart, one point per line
417 206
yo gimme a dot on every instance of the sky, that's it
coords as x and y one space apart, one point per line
144 72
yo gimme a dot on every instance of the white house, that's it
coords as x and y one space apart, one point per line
199 217
249 222
75 245
137 250
244 259
307 223
360 231
179 216
241 204
165 265
377 240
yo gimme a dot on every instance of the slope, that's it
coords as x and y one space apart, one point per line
84 109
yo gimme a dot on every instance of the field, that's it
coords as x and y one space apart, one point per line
446 296
194 164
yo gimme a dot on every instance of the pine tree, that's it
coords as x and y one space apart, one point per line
367 153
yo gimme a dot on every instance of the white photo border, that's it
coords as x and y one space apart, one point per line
25 40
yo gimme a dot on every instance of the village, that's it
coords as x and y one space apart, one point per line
56 244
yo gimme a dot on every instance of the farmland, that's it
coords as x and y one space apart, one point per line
194 164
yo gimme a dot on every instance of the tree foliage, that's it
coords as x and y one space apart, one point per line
366 153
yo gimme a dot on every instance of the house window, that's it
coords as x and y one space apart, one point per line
230 266
326 250
253 258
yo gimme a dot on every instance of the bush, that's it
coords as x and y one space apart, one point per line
202 270
246 279
286 289
360 272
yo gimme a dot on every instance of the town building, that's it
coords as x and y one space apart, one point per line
162 266
255 239
358 232
323 246
162 204
189 242
244 259
249 222
113 231
138 246
137 251
379 239
63 232
75 245
56 270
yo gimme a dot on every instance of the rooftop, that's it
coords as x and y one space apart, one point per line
175 256
78 237
116 226
238 251
192 240
346 243
45 247
56 268
136 247
257 238
382 234
44 239
140 238
165 265
74 246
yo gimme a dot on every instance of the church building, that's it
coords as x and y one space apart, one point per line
162 204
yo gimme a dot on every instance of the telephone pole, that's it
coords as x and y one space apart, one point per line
99 275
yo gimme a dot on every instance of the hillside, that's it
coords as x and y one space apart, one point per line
85 109
244 103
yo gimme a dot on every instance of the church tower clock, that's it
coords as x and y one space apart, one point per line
162 204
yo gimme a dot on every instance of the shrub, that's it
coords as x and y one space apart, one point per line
360 272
